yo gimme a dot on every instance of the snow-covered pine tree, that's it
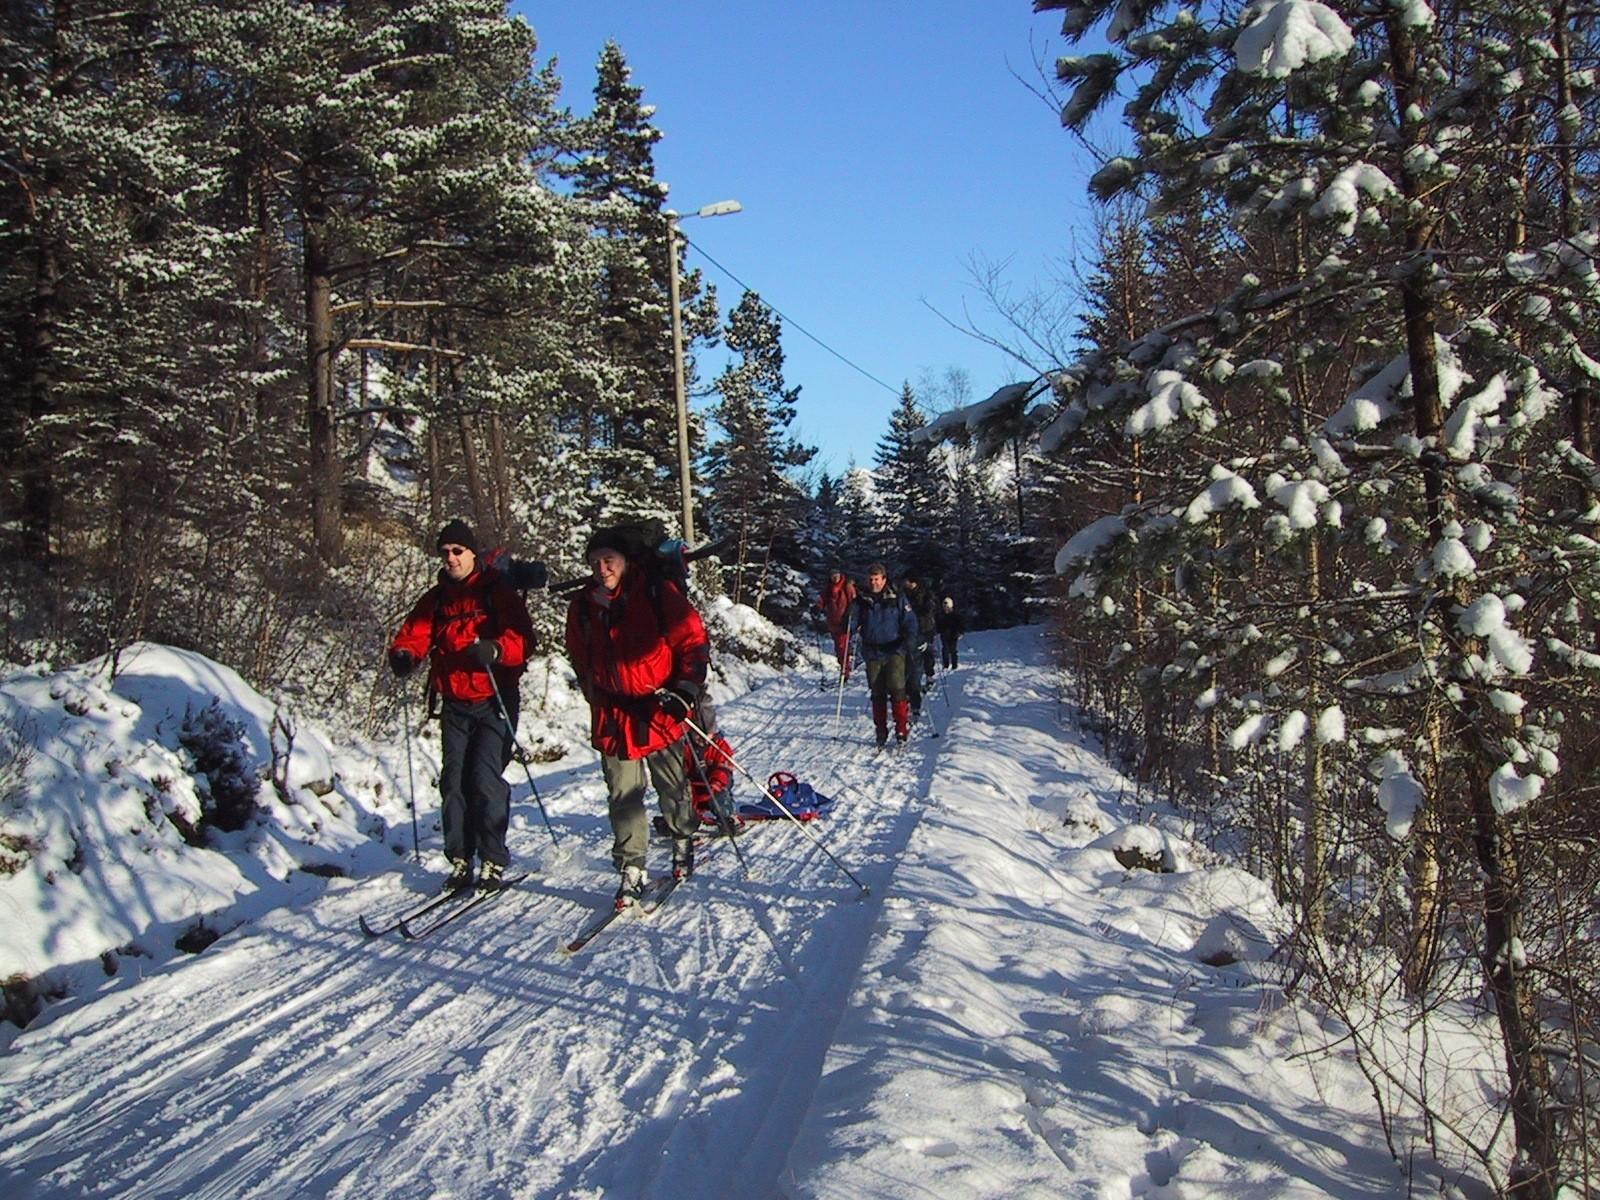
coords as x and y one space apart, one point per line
860 519
913 488
115 297
755 494
1393 555
627 411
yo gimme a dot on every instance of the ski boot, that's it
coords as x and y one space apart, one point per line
460 877
632 887
682 858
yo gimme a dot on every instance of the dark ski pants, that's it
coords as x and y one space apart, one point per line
886 678
475 801
948 645
625 783
916 671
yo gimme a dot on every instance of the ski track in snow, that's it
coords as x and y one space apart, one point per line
1009 1013
294 1057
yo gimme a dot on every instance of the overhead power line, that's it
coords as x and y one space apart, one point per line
893 391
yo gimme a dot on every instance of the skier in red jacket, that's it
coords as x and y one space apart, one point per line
469 623
837 596
641 654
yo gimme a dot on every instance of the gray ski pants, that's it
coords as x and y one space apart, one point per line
625 782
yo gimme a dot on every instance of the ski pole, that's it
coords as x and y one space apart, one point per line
522 757
724 821
784 809
411 773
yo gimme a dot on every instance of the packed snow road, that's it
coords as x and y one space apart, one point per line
671 1058
1012 1012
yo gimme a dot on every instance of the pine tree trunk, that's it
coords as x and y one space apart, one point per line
435 450
321 428
1534 1169
500 472
766 566
259 291
1427 419
1561 69
32 454
1314 883
1535 1153
469 447
435 475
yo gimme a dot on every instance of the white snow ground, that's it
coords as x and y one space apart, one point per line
1010 1013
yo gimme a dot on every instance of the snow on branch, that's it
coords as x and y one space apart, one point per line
1281 36
1008 403
1224 489
1089 541
1171 396
1341 200
1471 417
1400 795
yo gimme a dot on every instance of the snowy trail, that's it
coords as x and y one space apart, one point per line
669 1059
1011 1012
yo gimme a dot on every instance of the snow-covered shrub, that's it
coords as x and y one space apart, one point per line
222 766
16 751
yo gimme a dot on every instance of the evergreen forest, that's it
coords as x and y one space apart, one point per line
1300 469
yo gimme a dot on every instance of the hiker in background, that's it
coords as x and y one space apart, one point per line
919 661
468 624
641 654
888 630
951 626
837 597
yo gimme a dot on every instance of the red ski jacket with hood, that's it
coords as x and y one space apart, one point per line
624 646
835 603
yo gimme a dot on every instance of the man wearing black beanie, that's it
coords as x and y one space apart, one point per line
470 624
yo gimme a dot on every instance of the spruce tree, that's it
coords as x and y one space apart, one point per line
911 478
755 494
630 420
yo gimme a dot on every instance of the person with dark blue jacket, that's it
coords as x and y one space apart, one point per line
888 630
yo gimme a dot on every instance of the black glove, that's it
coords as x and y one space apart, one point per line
677 700
484 653
402 663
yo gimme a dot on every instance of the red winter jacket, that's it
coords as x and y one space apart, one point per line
450 617
623 653
835 603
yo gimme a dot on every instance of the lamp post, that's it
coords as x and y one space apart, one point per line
685 484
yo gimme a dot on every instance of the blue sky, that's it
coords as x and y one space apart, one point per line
878 147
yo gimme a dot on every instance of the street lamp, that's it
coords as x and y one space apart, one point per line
685 494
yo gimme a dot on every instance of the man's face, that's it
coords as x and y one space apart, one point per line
459 562
911 585
608 567
876 582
